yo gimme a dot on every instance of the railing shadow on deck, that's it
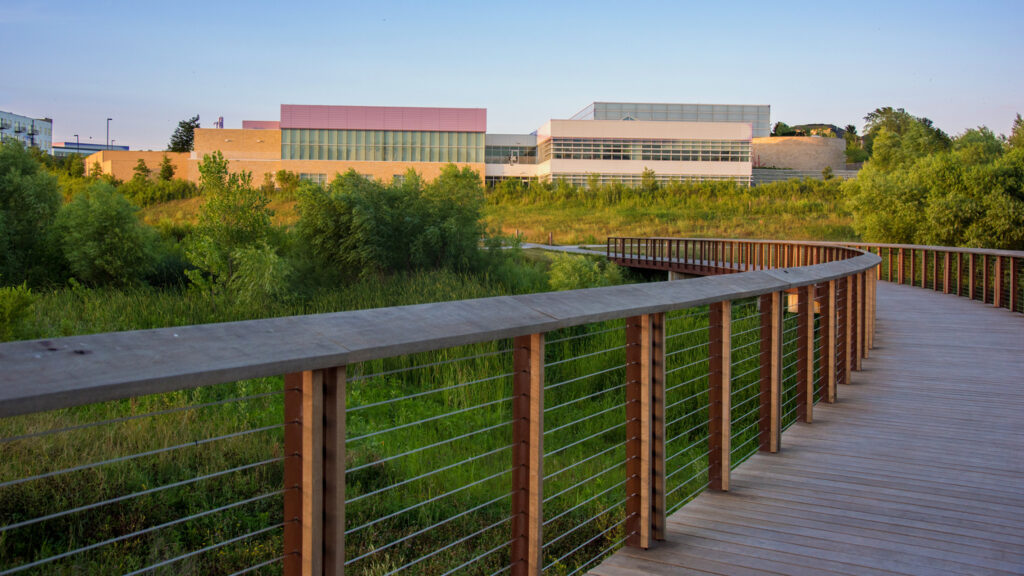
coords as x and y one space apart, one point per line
512 434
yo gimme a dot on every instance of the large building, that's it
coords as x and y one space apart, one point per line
32 132
606 141
63 150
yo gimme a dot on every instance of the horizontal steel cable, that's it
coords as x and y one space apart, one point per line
429 500
443 548
428 392
602 533
587 501
138 416
591 437
687 399
428 474
479 557
139 533
687 415
678 505
587 355
135 495
743 431
422 531
686 450
204 550
587 397
588 417
137 455
430 419
587 459
429 446
684 482
686 333
564 491
684 367
588 521
263 564
428 365
691 348
585 376
578 336
601 553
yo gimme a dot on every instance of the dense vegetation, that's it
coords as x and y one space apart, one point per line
923 187
795 209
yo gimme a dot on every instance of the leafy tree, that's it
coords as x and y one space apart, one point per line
288 182
142 172
166 169
648 181
575 272
233 217
1016 139
900 122
182 140
102 238
75 166
783 129
29 201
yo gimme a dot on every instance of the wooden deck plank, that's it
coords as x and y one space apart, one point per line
915 470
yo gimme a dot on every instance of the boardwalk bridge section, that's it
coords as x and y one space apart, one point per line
541 433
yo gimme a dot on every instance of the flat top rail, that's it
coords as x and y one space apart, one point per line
912 472
953 249
39 375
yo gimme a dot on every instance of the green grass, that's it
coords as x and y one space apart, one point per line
794 210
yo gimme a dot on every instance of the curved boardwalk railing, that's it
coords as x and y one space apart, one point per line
521 434
991 276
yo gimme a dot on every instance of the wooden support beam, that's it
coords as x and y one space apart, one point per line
855 324
862 301
997 283
924 268
935 270
828 329
901 267
320 468
971 274
527 455
889 277
959 273
719 389
984 278
1014 284
945 273
645 429
805 354
913 267
771 372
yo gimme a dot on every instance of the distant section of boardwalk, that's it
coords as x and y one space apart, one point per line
918 469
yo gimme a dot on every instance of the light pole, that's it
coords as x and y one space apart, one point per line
108 132
78 147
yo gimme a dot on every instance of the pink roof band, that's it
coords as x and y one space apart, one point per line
260 125
383 118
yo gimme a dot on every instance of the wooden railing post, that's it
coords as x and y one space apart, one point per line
317 399
805 353
945 273
828 328
719 388
771 372
645 429
899 274
848 322
1014 284
970 272
855 305
984 278
997 283
527 455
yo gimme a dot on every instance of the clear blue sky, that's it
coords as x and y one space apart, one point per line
149 65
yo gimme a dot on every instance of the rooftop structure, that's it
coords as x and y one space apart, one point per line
757 115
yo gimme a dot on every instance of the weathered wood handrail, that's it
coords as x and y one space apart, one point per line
313 352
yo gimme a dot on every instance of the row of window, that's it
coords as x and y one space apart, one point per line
381 145
648 150
510 154
636 179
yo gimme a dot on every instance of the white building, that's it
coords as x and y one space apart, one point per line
588 147
37 132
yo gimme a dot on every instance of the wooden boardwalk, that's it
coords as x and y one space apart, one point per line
917 469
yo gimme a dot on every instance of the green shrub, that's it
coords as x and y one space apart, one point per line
29 201
575 272
16 304
102 239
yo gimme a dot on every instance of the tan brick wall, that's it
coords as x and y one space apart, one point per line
121 163
799 152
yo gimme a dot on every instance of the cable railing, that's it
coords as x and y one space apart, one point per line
991 276
514 435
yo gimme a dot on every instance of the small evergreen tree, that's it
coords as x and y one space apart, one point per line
142 172
183 138
166 169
